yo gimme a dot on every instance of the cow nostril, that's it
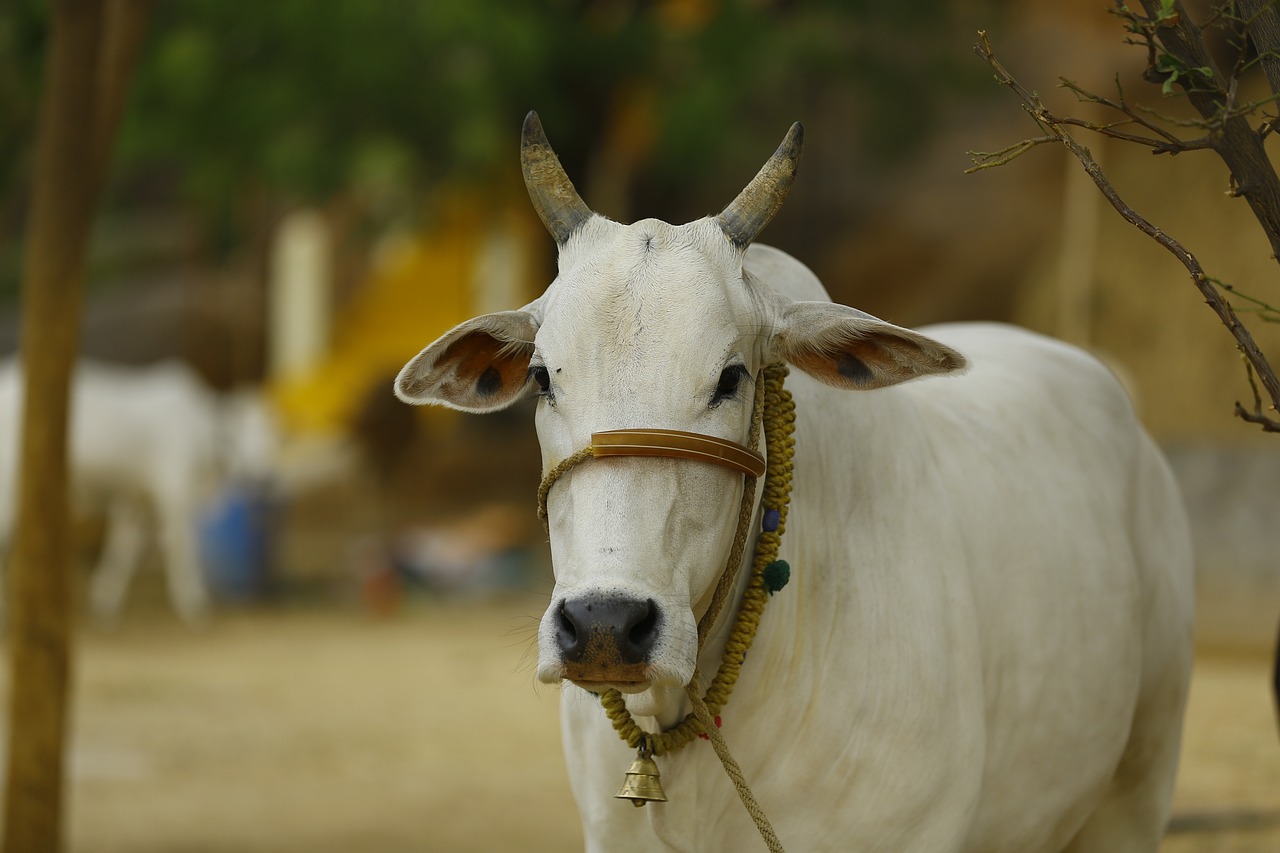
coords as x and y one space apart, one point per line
643 633
566 630
607 630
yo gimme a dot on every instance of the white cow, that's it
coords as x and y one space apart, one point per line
986 642
149 445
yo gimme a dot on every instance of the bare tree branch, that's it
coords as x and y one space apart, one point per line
1254 356
1170 144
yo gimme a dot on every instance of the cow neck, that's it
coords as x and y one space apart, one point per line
776 415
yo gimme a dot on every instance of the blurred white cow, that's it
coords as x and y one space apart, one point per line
151 446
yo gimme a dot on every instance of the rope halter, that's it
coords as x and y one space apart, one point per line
774 411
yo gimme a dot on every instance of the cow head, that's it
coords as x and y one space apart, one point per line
648 325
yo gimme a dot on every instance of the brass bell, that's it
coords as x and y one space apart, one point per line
642 784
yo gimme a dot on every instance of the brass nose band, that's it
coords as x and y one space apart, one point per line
677 444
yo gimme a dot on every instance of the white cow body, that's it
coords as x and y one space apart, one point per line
985 644
143 444
1000 568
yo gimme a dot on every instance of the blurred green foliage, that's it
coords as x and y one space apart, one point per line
294 100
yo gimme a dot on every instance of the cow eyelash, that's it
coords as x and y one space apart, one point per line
730 380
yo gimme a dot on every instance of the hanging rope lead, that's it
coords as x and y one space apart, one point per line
732 769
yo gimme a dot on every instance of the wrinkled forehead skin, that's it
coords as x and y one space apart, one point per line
636 332
641 321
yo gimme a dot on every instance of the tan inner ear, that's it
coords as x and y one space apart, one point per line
872 362
484 366
852 363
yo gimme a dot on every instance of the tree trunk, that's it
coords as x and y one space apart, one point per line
92 50
1263 21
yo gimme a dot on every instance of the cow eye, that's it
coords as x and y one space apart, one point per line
538 373
727 388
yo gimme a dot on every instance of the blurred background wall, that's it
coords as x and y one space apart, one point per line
304 195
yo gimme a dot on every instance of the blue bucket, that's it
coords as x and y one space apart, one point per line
235 538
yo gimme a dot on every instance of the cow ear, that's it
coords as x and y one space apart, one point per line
846 348
479 366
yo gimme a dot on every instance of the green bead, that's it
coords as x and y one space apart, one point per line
776 575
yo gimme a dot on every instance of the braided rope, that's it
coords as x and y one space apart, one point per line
733 771
554 474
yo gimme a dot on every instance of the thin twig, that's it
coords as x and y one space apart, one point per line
1157 146
1138 113
991 159
1260 306
1120 106
1255 416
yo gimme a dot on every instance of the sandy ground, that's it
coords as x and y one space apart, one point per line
330 730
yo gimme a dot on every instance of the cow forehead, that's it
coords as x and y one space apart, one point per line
645 287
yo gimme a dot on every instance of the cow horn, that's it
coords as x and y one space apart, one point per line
744 219
558 204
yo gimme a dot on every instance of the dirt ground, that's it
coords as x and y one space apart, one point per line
324 729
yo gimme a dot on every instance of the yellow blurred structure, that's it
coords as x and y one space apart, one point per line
475 259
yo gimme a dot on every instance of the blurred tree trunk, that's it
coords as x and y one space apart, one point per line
93 46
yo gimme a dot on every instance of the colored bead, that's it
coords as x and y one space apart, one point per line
771 519
776 575
719 724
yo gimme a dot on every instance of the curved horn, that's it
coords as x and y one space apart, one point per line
748 214
557 202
